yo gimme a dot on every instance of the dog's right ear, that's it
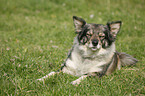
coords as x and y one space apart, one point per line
114 28
79 23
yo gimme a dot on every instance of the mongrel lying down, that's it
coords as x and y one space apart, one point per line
93 52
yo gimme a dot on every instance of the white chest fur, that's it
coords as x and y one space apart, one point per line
84 61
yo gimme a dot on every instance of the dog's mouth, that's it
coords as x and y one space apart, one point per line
94 48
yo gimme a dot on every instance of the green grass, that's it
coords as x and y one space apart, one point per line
35 36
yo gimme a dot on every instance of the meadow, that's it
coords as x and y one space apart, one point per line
35 36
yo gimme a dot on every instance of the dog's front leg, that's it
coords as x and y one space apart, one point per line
48 75
76 82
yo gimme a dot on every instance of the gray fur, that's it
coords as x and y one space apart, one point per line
126 59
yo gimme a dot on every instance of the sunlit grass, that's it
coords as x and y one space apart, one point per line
35 36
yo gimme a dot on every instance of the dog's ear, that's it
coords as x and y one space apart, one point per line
114 28
79 23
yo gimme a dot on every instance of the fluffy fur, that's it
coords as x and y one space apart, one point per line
93 52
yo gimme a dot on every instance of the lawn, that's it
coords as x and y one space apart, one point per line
35 36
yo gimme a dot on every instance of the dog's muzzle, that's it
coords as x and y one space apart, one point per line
94 45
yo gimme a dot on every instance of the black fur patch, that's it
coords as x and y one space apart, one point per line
108 39
82 37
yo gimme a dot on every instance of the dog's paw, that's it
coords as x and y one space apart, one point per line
40 79
48 75
76 82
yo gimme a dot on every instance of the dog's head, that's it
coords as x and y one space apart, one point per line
96 36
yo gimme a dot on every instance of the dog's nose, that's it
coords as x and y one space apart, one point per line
95 42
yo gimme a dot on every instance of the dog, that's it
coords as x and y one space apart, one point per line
93 52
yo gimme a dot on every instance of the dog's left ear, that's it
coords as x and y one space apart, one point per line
114 28
79 23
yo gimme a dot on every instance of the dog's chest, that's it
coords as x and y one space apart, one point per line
79 65
84 61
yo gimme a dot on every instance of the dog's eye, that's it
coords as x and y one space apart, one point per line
84 40
101 35
90 33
